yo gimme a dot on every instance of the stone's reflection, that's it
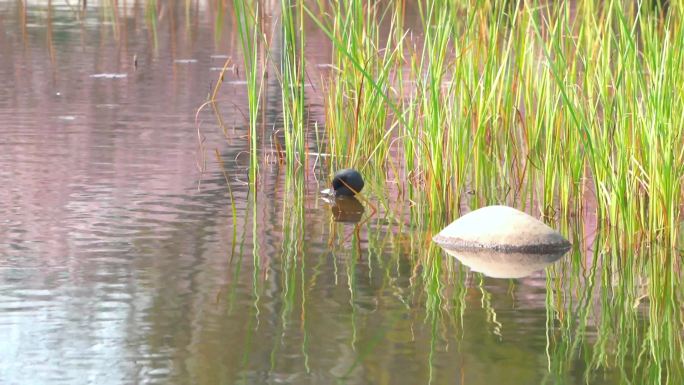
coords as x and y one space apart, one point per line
498 264
346 209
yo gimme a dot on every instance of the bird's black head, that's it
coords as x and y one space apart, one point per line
347 182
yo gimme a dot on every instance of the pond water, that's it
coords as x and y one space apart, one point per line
120 262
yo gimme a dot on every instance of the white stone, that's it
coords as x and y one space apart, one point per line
503 229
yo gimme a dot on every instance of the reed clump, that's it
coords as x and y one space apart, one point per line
551 105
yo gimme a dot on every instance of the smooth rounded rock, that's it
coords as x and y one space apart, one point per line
502 229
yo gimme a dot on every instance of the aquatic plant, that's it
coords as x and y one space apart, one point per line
246 14
292 77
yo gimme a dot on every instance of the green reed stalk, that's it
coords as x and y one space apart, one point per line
249 34
292 66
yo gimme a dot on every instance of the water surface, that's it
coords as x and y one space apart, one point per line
120 262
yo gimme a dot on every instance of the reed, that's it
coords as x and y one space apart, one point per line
250 36
292 76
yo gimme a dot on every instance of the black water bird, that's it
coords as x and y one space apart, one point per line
347 182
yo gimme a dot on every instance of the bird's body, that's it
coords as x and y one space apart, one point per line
347 182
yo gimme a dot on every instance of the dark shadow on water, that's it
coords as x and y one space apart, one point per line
346 210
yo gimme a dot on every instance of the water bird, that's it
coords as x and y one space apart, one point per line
346 182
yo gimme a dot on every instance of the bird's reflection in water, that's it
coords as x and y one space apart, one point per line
346 209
